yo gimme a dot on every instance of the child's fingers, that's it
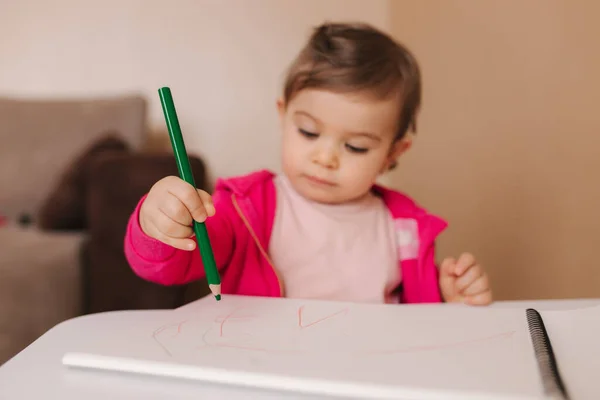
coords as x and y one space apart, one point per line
188 195
447 266
171 228
179 243
465 261
174 208
446 278
468 278
480 285
182 244
481 299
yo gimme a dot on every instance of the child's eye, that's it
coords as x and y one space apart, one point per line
308 134
354 149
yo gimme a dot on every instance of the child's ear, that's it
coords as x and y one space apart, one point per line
399 147
280 107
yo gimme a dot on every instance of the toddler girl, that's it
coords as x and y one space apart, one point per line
322 228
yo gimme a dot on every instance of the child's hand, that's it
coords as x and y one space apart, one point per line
169 209
464 281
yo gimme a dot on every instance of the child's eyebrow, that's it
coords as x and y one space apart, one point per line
365 134
368 135
305 114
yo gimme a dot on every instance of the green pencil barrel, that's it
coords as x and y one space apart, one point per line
185 171
183 163
208 258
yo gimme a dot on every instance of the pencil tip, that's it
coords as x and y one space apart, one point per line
216 291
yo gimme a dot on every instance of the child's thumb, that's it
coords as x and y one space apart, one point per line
207 202
447 279
447 267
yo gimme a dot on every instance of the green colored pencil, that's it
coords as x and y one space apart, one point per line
185 172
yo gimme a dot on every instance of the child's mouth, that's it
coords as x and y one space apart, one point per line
319 181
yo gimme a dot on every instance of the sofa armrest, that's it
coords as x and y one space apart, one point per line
115 184
39 284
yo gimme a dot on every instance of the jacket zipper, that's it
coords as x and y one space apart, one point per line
260 247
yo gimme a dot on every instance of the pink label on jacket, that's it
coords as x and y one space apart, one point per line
407 237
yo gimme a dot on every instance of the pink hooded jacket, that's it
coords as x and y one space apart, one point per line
240 232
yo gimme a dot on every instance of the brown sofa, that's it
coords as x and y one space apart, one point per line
116 183
71 172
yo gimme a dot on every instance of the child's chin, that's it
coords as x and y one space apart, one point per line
322 195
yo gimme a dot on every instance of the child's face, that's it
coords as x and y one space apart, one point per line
336 145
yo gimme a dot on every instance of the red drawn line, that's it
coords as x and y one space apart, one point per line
240 347
204 335
413 349
240 318
155 338
504 335
246 316
180 325
227 317
301 309
160 330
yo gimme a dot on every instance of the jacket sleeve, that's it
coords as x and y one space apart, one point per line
161 263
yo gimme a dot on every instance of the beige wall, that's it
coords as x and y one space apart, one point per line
223 59
507 148
509 142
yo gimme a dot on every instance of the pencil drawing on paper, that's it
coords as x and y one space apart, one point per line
302 325
301 333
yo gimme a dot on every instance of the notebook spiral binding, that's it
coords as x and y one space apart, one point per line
551 379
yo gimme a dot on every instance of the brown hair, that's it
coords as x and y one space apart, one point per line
357 57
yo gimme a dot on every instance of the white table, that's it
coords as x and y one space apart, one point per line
37 372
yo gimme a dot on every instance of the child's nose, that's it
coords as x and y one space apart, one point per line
326 157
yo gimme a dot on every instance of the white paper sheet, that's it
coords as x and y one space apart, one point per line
575 338
325 348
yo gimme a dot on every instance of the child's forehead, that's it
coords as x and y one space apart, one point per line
349 111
